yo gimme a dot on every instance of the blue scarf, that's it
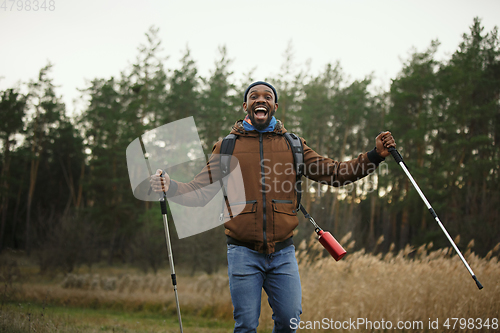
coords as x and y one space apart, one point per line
247 125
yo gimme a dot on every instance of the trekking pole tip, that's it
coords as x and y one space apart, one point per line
479 285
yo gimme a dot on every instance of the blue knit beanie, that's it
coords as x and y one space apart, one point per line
256 84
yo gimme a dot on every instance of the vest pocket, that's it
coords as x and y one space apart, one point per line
242 207
284 207
284 218
243 225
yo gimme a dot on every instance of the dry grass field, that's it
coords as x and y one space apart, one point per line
419 286
421 290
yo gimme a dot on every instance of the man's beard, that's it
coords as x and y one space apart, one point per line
261 126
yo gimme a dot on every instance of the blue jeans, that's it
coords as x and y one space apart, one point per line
278 273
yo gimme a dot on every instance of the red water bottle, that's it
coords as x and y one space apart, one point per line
330 244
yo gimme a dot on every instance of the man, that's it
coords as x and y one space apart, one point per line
260 250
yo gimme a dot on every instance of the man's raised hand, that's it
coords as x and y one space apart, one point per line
383 142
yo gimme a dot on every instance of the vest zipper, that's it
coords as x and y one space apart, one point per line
263 179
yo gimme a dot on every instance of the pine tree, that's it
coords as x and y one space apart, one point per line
411 94
467 134
12 111
47 112
220 104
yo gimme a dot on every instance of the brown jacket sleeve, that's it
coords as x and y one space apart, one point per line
331 172
204 186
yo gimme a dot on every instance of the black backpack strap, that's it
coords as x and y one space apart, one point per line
298 152
298 159
226 151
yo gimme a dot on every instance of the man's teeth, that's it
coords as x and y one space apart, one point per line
261 109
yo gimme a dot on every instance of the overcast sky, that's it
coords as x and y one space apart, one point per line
89 39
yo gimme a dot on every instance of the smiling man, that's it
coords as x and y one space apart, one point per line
260 250
260 104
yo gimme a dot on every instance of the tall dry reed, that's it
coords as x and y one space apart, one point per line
412 285
409 286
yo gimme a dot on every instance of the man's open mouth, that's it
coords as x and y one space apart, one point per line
260 112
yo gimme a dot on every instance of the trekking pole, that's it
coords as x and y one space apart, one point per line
163 205
399 159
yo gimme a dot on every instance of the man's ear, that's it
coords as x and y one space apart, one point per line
245 106
275 106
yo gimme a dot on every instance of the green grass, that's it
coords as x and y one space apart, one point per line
29 317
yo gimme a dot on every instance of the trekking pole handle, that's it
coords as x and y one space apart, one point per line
395 153
163 197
